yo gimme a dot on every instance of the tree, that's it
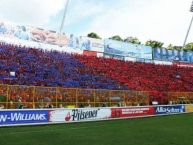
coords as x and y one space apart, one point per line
178 47
154 44
117 38
189 46
133 40
93 35
170 47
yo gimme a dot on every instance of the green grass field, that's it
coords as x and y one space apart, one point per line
165 130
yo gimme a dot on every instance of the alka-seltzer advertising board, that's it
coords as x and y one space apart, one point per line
159 110
23 117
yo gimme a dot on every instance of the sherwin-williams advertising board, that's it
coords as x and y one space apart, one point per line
23 117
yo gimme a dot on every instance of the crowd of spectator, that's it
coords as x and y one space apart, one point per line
35 67
157 79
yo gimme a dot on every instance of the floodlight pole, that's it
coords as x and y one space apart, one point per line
188 33
64 16
191 10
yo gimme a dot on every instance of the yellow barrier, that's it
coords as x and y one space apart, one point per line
189 108
15 96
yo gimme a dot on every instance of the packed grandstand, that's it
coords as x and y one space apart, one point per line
33 60
61 88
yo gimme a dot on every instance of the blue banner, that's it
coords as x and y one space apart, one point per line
172 55
128 49
86 43
157 54
24 117
159 110
190 56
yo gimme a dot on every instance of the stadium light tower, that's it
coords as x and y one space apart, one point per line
191 10
64 16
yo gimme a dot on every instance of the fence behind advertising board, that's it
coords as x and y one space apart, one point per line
54 116
12 96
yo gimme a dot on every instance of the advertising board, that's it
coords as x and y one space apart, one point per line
54 116
33 34
86 43
85 114
23 117
132 112
172 55
89 53
127 49
169 109
189 108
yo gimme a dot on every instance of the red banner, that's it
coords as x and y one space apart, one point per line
89 53
183 64
132 112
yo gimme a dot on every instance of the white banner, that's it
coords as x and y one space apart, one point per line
86 114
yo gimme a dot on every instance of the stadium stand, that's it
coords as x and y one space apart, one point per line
49 68
37 67
143 76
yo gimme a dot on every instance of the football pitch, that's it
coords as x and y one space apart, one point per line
165 130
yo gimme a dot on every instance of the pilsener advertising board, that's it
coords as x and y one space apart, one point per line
84 114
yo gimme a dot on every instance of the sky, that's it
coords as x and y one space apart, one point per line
163 20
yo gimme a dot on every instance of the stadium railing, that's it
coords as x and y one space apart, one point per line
18 96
